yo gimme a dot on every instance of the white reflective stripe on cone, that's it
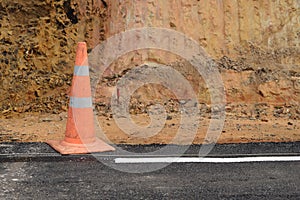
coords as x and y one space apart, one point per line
81 102
81 71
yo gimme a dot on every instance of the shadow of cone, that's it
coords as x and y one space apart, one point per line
80 135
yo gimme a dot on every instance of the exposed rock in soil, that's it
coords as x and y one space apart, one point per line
37 50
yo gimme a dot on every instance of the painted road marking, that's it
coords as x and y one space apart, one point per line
207 160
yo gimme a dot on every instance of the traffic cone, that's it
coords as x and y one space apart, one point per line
80 133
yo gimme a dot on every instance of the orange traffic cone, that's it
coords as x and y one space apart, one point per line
80 133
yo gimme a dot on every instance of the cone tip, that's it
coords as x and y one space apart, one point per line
81 54
81 43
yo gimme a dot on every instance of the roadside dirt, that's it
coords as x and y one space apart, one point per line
244 123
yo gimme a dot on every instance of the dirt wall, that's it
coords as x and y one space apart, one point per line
37 44
254 43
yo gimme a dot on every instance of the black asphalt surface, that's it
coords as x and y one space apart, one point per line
35 171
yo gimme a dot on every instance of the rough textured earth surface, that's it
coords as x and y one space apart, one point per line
244 123
255 45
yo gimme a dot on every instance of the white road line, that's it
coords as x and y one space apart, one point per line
207 160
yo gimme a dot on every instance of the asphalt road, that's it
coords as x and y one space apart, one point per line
34 171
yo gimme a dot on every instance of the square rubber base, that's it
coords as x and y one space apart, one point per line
69 148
